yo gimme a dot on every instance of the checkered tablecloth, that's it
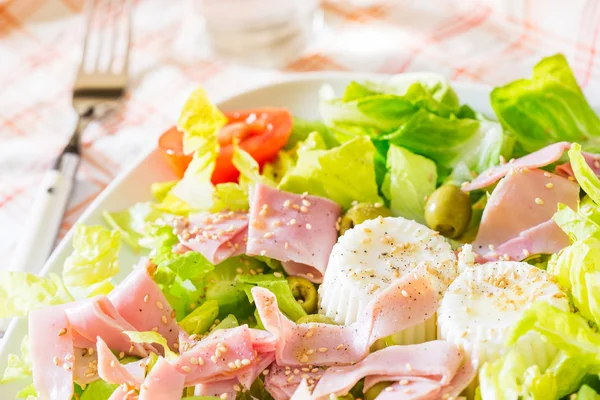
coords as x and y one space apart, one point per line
489 41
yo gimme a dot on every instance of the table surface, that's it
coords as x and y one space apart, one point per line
487 41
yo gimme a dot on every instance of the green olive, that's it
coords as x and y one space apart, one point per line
318 318
448 211
374 390
304 292
361 213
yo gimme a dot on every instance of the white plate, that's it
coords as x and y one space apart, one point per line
298 93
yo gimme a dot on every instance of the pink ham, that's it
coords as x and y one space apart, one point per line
249 375
139 300
51 349
204 363
216 236
429 368
517 220
593 160
83 372
407 302
162 383
283 382
218 388
112 371
540 158
119 394
98 317
298 230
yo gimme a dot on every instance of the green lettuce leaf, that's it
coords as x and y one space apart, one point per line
585 176
98 390
452 143
201 319
581 224
577 269
195 189
280 288
249 169
189 265
343 174
21 292
18 367
550 107
160 190
200 121
228 322
409 180
302 128
586 393
131 222
94 258
229 196
152 337
28 392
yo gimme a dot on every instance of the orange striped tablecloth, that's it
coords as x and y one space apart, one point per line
489 41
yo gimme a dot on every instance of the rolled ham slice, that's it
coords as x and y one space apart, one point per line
517 220
216 236
51 349
540 158
139 300
296 229
408 301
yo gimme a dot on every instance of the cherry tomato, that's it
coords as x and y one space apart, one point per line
171 146
261 132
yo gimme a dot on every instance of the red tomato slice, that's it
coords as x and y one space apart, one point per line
171 145
261 132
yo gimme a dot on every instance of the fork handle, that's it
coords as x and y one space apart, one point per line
46 216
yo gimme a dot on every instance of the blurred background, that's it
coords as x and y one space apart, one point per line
228 46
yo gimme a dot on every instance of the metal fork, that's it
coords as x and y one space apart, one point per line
100 84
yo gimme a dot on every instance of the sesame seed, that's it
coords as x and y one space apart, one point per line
310 351
265 372
526 252
112 363
121 355
218 352
339 347
323 350
200 361
409 367
56 361
310 275
571 178
213 359
549 185
296 371
308 226
62 332
91 351
286 245
224 396
268 235
547 175
159 305
245 361
403 382
291 378
277 274
237 387
292 221
389 389
263 252
303 209
155 329
539 201
286 203
308 334
304 358
164 319
131 349
67 367
404 293
231 365
288 372
305 202
238 363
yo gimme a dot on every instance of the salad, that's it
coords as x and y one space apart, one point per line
405 246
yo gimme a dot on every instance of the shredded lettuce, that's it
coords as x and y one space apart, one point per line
343 174
21 292
19 367
152 337
95 257
564 334
201 319
550 107
409 180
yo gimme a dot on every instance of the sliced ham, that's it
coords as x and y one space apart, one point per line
51 349
163 382
85 368
540 158
111 370
98 317
593 160
296 229
283 382
118 394
216 236
139 300
204 362
406 302
429 367
249 375
218 388
517 220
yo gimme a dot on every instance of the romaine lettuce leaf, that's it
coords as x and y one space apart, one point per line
190 265
98 390
228 322
581 224
94 258
131 222
302 128
249 169
21 292
152 337
585 176
200 121
161 189
229 196
472 144
18 367
195 189
343 174
28 392
201 319
586 393
550 107
409 180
